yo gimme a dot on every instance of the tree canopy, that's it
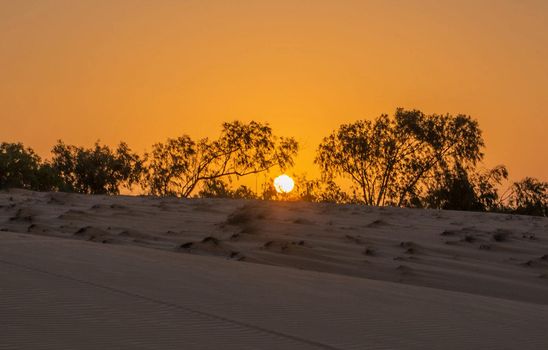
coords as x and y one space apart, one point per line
97 170
178 166
389 158
529 196
19 166
463 188
409 159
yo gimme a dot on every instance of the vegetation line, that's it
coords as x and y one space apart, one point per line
409 159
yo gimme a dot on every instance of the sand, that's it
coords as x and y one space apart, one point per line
99 272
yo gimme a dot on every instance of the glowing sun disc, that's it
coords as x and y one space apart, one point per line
283 184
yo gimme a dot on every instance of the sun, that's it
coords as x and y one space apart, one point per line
284 184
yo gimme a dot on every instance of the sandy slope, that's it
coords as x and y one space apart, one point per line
82 272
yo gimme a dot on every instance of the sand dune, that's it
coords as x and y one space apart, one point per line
89 272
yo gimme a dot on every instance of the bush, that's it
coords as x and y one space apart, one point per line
529 197
97 170
21 167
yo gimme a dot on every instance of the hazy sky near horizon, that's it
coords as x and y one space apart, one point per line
142 71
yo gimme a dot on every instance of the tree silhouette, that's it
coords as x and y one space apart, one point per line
318 190
409 159
167 166
389 158
453 190
21 167
486 186
97 170
217 188
465 188
529 196
18 166
177 167
243 192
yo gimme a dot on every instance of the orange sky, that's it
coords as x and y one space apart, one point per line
141 71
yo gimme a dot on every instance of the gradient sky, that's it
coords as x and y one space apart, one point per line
141 71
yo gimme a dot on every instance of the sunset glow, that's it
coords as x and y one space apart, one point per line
142 71
284 184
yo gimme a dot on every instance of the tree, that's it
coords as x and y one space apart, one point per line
179 166
486 184
217 188
453 190
268 192
529 197
243 192
47 178
389 159
318 190
97 170
167 166
19 166
463 188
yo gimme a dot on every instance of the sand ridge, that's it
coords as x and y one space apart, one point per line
483 253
